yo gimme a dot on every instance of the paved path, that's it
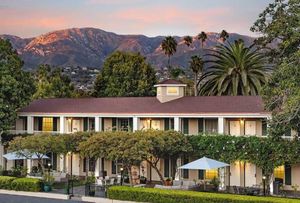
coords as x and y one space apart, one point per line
23 199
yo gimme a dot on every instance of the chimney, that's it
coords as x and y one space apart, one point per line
169 90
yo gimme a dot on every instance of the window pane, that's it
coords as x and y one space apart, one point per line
279 174
210 174
172 91
47 124
211 125
166 168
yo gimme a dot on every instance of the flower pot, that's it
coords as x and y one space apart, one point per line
168 182
47 188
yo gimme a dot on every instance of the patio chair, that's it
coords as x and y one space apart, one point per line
100 183
112 181
119 179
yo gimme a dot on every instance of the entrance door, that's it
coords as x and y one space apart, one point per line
250 128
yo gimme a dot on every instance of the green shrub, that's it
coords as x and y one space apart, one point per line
5 182
27 184
176 196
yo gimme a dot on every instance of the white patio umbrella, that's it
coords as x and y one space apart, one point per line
19 156
204 164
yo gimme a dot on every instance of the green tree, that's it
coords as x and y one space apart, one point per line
36 145
121 146
279 24
234 70
162 144
52 83
16 85
282 97
224 35
202 37
196 65
169 46
176 73
125 74
188 40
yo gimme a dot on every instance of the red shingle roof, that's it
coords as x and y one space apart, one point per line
170 81
144 105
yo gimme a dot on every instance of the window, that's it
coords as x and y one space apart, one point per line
201 174
92 164
264 127
210 174
172 91
166 168
123 124
47 124
288 174
211 125
185 127
185 171
279 174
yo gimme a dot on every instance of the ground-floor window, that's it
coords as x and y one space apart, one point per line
207 174
166 168
185 171
283 174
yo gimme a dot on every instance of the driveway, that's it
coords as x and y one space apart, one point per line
25 199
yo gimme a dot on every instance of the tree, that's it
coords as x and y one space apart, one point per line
38 145
52 83
224 35
196 65
188 40
169 46
121 146
162 144
279 24
282 97
202 37
175 73
234 70
125 74
16 85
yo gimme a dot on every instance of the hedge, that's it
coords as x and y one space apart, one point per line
175 196
27 184
5 182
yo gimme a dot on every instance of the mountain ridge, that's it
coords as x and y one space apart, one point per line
90 46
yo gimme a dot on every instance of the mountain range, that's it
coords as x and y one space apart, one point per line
88 47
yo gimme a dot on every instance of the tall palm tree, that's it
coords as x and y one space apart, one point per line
188 40
196 65
169 46
202 37
234 70
224 35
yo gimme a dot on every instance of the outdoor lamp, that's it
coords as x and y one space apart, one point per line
121 169
264 184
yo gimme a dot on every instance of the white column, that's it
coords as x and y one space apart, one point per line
29 165
97 169
62 163
30 123
61 124
221 125
135 122
176 124
97 124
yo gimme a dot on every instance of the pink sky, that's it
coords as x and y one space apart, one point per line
28 18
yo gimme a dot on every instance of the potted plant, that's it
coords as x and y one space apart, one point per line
215 182
48 181
168 182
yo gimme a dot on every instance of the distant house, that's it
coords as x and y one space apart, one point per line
170 109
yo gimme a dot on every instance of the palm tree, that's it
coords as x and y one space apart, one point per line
202 37
235 70
224 35
188 40
196 65
169 46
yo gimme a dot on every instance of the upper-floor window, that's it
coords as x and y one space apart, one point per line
172 91
47 124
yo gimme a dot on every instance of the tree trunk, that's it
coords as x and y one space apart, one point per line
195 84
130 175
157 171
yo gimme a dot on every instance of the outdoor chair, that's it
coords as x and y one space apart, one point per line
112 181
119 179
235 190
100 183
